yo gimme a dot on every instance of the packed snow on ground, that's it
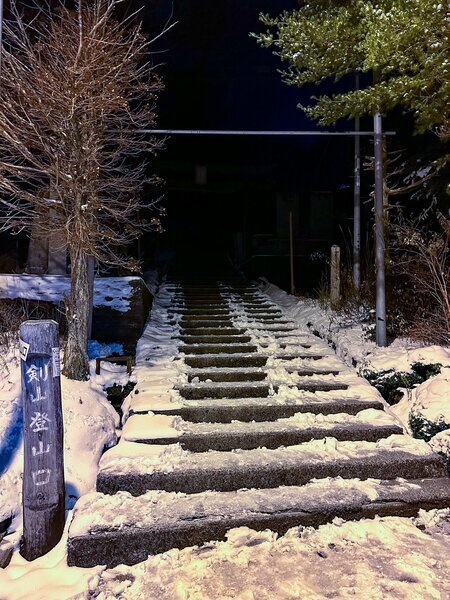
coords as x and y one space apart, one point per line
384 558
90 425
111 292
380 559
47 577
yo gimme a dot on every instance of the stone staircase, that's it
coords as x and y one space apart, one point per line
240 418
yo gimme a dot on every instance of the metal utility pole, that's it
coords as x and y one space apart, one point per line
357 203
379 232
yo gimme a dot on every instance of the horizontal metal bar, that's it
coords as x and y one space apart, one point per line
251 133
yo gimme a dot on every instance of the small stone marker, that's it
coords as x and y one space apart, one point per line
43 478
335 275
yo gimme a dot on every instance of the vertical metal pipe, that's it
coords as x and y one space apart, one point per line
379 233
357 203
291 252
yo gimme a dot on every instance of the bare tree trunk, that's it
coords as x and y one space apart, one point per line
76 364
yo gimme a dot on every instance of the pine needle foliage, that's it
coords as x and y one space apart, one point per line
406 42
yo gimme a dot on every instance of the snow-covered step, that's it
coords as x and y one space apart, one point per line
200 361
284 345
136 467
199 305
251 326
258 305
200 289
289 355
215 339
250 389
202 390
311 372
194 324
200 302
269 320
255 303
122 529
370 425
251 409
255 295
254 359
220 331
217 348
193 298
315 386
234 374
201 299
193 318
266 310
199 311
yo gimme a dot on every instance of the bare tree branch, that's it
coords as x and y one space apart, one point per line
76 87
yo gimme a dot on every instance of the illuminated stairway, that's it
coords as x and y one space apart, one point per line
243 419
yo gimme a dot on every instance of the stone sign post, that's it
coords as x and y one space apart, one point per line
43 477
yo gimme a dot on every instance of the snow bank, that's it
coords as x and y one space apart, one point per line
432 398
350 341
111 292
428 403
48 577
425 410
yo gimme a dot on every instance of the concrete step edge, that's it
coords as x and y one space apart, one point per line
253 409
136 468
247 436
198 519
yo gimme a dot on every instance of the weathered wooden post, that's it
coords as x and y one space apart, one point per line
335 275
43 477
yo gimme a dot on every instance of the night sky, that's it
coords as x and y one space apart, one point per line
217 77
